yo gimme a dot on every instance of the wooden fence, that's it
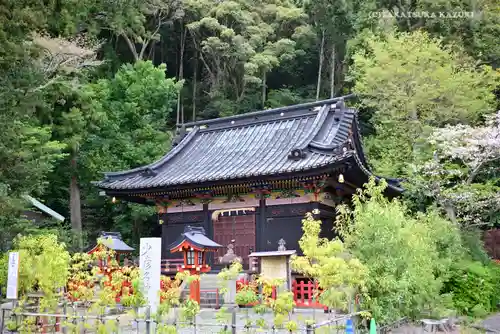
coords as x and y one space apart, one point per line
305 293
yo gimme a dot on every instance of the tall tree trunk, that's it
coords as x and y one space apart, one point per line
75 208
263 89
320 67
195 82
162 51
131 46
180 119
332 71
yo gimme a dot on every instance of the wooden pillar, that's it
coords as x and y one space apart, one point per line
161 211
260 221
209 228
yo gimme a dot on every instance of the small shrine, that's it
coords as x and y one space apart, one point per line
112 241
194 245
276 264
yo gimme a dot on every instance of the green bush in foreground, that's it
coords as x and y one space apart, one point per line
474 288
408 256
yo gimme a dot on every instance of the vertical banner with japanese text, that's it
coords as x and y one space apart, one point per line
13 275
150 266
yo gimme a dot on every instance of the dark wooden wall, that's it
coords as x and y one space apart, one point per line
285 221
173 226
271 224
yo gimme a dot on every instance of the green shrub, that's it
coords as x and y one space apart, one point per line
474 287
474 245
408 256
44 264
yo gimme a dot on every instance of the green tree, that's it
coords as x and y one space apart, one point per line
239 43
27 148
414 82
334 25
112 124
476 32
408 257
44 266
339 274
138 23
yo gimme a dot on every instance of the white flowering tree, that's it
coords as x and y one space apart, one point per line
464 176
60 57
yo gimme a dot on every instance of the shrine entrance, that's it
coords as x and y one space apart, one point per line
237 225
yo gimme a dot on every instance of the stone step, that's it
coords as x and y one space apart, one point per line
209 281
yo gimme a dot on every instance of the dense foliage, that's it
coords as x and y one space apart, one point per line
340 276
414 83
44 267
408 257
475 288
463 176
94 85
84 91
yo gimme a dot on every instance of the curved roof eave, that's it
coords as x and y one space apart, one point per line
178 148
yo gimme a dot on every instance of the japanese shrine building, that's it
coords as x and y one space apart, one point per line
252 177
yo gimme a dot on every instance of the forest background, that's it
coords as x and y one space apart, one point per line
90 86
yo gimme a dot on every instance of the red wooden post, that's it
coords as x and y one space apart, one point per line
57 325
194 291
310 292
273 294
217 299
294 290
302 297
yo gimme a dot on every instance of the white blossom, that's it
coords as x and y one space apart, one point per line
460 175
474 146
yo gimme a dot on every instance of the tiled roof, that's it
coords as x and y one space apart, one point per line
113 240
259 144
196 236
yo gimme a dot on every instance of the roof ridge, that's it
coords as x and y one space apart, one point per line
268 111
170 154
358 138
315 128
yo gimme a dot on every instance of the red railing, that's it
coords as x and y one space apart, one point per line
306 294
217 306
171 265
44 326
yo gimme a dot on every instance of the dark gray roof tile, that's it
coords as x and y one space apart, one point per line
196 236
254 144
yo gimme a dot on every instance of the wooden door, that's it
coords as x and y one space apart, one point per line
238 228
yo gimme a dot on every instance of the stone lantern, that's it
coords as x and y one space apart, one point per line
230 256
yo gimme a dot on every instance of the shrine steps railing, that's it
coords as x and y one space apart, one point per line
171 266
305 293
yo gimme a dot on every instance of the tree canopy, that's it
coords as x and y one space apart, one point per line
95 85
